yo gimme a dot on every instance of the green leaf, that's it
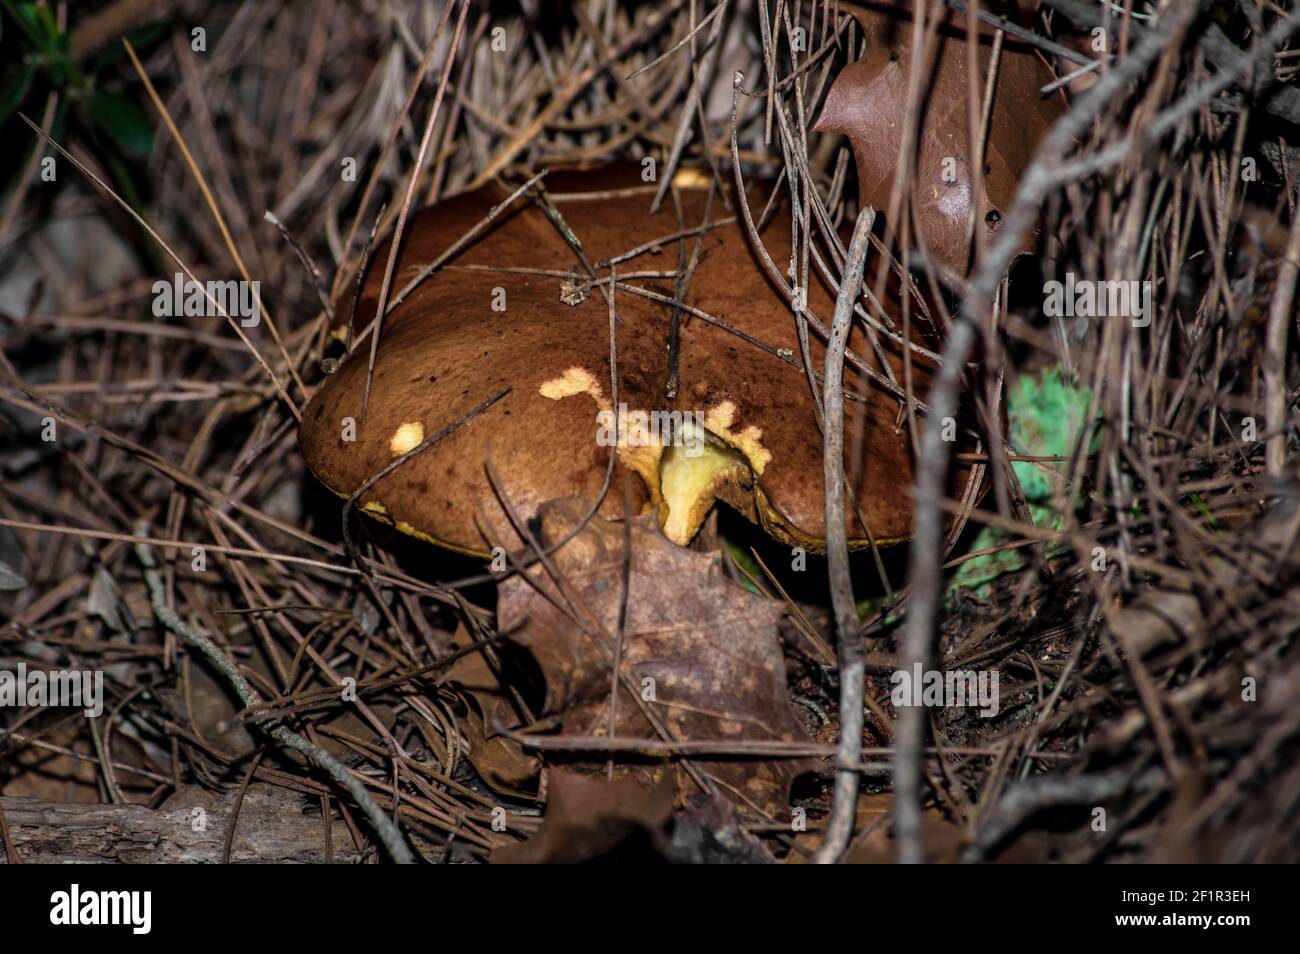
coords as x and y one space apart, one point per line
28 18
743 559
123 121
1210 521
49 27
14 88
141 38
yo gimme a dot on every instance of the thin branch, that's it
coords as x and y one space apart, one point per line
848 629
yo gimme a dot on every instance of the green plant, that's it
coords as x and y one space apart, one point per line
42 66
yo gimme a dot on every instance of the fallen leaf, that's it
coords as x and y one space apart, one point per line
868 103
871 814
709 832
588 818
943 843
702 653
499 760
874 844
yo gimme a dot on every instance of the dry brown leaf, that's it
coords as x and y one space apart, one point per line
587 818
872 812
943 842
708 831
499 760
703 653
868 103
874 843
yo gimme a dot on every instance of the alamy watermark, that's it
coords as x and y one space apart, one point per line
183 297
1084 298
651 428
955 688
77 907
72 688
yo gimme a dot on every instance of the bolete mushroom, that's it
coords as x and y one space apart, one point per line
515 308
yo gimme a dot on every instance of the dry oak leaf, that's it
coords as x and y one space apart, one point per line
499 760
702 653
588 818
868 103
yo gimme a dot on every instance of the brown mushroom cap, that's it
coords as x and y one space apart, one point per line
444 350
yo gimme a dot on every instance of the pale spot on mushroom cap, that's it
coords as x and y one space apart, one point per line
691 178
573 381
375 508
406 438
720 420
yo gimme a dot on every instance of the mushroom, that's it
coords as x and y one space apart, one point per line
741 427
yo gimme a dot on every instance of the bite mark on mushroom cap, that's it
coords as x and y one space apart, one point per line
683 484
690 485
